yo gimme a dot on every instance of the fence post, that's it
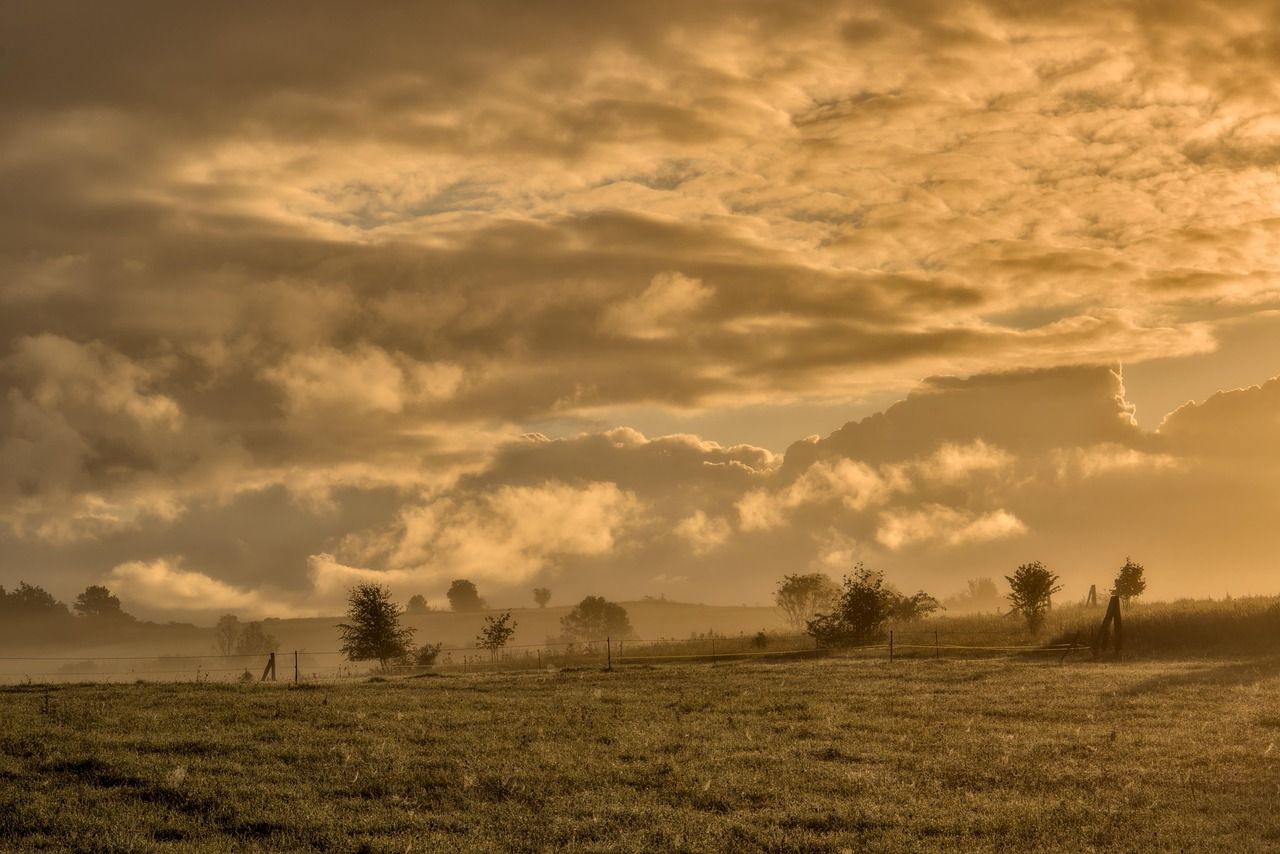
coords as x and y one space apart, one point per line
935 643
608 651
295 667
270 668
890 645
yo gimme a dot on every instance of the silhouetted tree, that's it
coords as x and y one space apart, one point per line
32 601
595 618
1031 590
374 631
496 632
225 634
802 596
417 604
98 601
1130 583
463 596
254 640
542 596
864 605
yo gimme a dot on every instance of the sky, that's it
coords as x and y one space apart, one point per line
635 298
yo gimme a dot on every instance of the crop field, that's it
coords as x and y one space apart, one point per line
832 755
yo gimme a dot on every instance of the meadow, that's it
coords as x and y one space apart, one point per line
839 754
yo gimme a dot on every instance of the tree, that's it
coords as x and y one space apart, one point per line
595 618
542 596
225 634
463 596
496 632
254 640
802 596
417 604
374 631
1130 582
32 601
908 609
98 601
1031 590
860 613
426 655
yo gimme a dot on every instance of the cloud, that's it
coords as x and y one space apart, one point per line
953 527
660 310
163 585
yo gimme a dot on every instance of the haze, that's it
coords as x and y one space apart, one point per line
552 295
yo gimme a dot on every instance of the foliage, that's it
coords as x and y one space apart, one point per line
225 634
254 640
542 595
801 597
908 609
496 632
30 601
374 631
1031 590
463 596
426 655
98 601
860 613
1130 583
595 618
417 604
760 640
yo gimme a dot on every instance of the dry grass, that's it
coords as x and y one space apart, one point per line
815 756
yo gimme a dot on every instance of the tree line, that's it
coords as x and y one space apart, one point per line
858 610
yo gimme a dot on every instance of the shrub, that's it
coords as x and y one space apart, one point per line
426 655
1129 584
863 608
1031 590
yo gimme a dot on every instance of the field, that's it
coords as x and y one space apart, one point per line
827 755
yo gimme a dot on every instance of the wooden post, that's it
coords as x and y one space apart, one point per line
936 651
295 667
1092 601
1109 619
608 651
890 645
713 649
269 669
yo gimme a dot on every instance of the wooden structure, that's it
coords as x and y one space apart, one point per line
1112 629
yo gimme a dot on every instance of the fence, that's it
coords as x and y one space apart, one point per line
309 666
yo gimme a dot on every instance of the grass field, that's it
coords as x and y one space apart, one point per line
803 756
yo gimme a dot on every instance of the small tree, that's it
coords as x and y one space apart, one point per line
464 597
595 618
908 609
225 634
417 604
1031 590
374 631
496 632
254 640
98 601
542 596
801 597
1130 583
863 608
426 655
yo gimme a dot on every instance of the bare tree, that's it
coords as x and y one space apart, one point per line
496 632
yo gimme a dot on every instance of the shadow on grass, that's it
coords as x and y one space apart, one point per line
1222 675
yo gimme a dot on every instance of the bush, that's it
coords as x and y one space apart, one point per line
426 655
594 619
1031 590
861 611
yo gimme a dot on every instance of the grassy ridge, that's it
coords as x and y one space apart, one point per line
815 756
